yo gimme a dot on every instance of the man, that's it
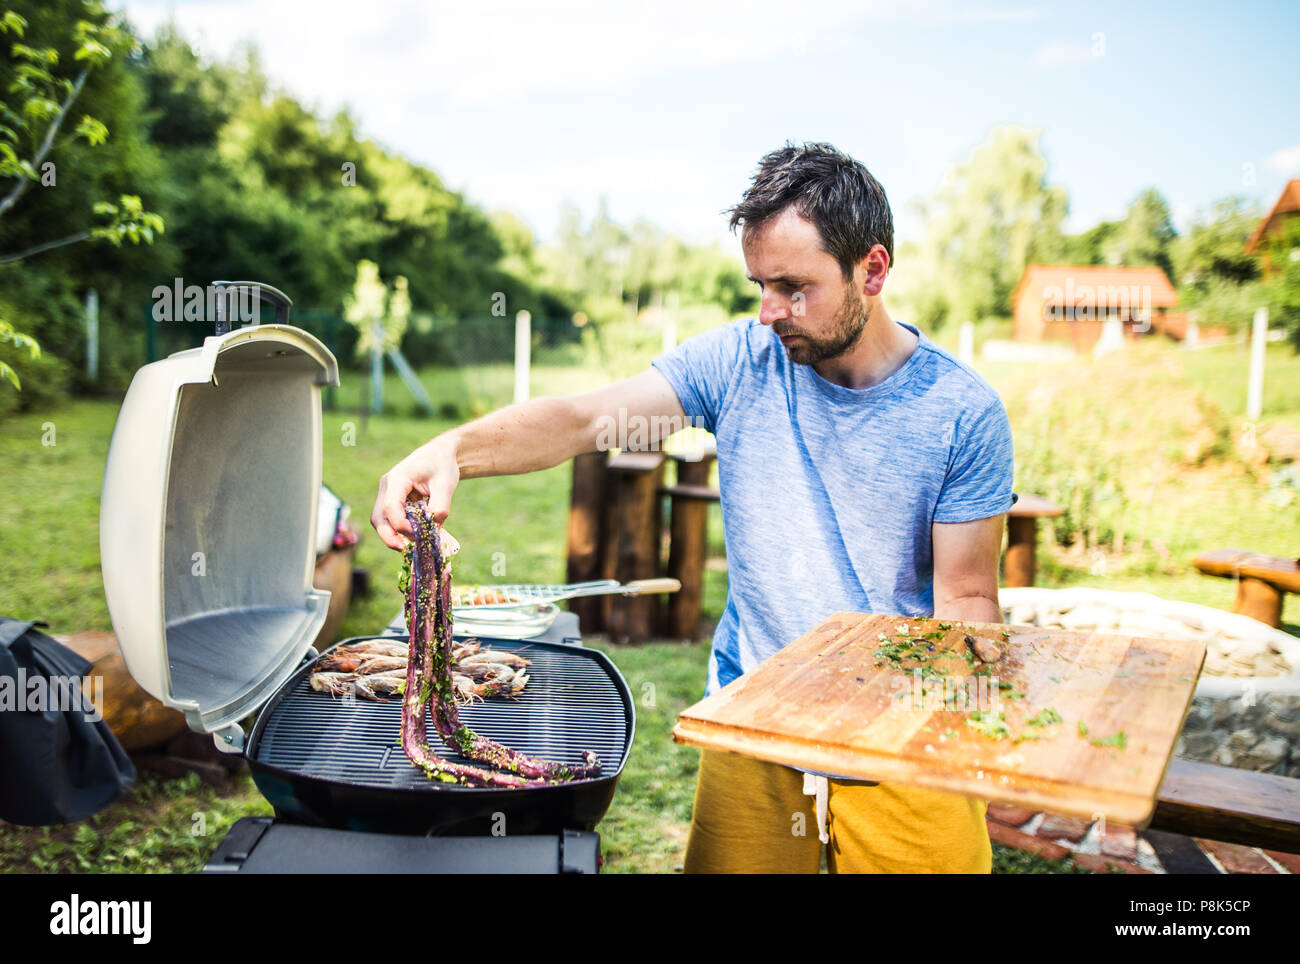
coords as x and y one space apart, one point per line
861 468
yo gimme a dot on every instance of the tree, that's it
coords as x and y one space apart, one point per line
30 129
612 271
991 217
1214 247
1216 277
1282 286
377 312
1146 235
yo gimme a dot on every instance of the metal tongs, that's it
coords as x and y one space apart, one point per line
515 596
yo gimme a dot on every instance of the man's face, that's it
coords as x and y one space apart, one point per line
805 298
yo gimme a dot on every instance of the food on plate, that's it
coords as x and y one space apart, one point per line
473 596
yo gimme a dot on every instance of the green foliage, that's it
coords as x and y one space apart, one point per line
1104 464
128 221
161 826
1008 860
1218 281
327 199
1282 287
377 312
646 826
613 272
250 183
45 99
30 379
1218 301
1145 236
624 347
1093 245
24 344
993 215
58 177
1126 413
1214 246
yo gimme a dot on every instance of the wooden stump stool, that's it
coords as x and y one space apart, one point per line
1262 581
1020 567
631 542
688 543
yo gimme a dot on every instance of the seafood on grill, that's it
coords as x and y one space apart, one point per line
377 686
468 690
367 670
430 680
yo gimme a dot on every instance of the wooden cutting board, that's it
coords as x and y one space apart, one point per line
844 699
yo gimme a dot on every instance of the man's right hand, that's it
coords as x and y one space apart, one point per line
432 472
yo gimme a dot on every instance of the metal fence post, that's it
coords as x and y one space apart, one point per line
376 375
92 335
1255 389
150 336
523 349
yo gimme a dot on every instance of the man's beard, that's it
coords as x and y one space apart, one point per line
850 321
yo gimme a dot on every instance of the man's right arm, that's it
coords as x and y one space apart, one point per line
526 437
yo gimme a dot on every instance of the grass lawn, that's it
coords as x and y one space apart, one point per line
1140 448
518 520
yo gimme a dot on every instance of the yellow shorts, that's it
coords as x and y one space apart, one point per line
752 817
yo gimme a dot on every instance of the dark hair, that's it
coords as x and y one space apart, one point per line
827 187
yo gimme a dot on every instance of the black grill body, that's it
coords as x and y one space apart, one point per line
329 762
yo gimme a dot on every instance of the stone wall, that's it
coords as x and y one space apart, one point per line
1246 709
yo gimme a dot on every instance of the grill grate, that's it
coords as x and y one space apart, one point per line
571 704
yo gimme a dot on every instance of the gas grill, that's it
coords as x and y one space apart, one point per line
207 536
331 762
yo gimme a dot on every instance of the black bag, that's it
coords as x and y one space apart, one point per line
59 761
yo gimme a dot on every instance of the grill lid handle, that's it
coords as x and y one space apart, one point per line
281 302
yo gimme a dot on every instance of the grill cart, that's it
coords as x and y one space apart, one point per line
207 536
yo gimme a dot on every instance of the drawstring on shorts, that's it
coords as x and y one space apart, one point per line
819 789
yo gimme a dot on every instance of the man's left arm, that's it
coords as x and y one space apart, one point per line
966 569
966 531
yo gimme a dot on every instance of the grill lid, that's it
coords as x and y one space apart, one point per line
208 517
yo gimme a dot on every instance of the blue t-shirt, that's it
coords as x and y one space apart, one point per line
829 493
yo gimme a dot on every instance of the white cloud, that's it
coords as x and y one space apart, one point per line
496 54
490 55
1060 54
1285 161
448 84
960 12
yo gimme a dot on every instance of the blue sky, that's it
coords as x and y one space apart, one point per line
665 110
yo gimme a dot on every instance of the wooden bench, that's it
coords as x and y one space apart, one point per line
1020 567
1262 581
1224 803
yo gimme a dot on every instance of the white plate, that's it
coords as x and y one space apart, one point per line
506 623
